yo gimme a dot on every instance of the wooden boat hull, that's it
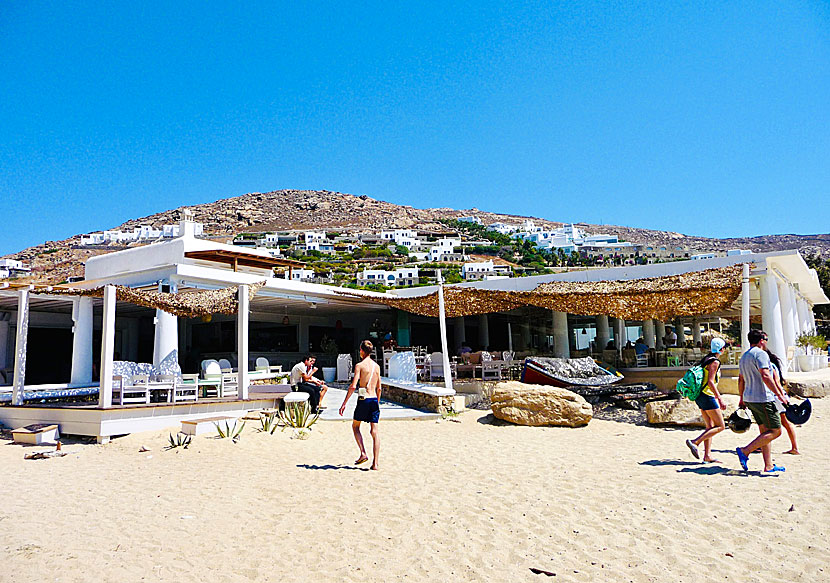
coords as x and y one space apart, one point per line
534 374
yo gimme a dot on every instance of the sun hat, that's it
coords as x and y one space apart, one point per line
799 414
739 421
717 345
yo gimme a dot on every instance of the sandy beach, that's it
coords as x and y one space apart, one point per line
456 501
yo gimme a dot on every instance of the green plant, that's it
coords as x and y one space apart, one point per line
181 440
298 416
230 431
269 423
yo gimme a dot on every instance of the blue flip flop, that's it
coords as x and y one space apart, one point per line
743 458
775 469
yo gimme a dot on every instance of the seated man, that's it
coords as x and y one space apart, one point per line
640 346
303 379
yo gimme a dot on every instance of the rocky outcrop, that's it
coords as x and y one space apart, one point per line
538 405
55 261
683 412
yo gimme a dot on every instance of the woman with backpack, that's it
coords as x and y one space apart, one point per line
776 369
710 402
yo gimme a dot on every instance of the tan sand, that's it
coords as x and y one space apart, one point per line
464 501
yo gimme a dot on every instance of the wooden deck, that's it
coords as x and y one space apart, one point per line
86 419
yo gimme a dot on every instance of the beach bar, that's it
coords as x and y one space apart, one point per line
168 308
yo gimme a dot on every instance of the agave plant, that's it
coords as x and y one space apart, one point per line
298 416
230 431
181 440
269 423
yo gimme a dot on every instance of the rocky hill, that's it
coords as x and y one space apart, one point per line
56 261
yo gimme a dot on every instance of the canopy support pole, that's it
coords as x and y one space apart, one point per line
442 323
20 346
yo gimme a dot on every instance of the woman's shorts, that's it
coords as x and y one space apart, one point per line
706 402
367 410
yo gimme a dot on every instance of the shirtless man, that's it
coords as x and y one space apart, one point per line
367 383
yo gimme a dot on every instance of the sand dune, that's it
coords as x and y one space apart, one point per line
466 501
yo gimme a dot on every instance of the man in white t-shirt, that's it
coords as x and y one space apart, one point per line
670 339
303 379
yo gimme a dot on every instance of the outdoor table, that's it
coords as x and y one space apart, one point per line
158 386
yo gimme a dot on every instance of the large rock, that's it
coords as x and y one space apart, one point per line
539 405
683 411
809 388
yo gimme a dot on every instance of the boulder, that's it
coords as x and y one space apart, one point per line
538 405
683 411
814 389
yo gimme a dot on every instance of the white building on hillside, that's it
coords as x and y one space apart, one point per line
502 228
402 276
445 250
474 220
13 268
477 270
143 233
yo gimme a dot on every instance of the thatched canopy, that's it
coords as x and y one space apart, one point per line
186 304
660 298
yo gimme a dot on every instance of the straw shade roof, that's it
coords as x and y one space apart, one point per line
660 298
190 304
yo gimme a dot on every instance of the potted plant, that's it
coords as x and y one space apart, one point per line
804 340
819 345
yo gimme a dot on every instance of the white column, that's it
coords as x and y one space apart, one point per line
771 315
20 346
811 317
459 333
648 333
745 308
696 331
622 333
561 344
242 341
167 334
442 324
660 332
510 337
787 309
680 330
81 340
603 334
794 303
107 347
483 331
804 320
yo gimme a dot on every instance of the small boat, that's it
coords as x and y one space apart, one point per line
566 372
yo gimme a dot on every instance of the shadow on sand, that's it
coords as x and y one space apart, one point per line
704 469
332 467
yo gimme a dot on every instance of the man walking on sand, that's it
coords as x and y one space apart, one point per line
758 391
367 383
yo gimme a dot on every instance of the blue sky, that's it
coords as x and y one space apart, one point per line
705 118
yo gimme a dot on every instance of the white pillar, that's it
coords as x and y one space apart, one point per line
81 340
603 334
794 303
696 331
510 337
483 331
166 340
811 317
107 348
680 330
660 332
648 333
787 309
622 333
459 333
771 315
242 341
804 321
561 344
442 324
20 346
745 308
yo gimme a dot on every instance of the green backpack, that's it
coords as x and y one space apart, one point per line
691 384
